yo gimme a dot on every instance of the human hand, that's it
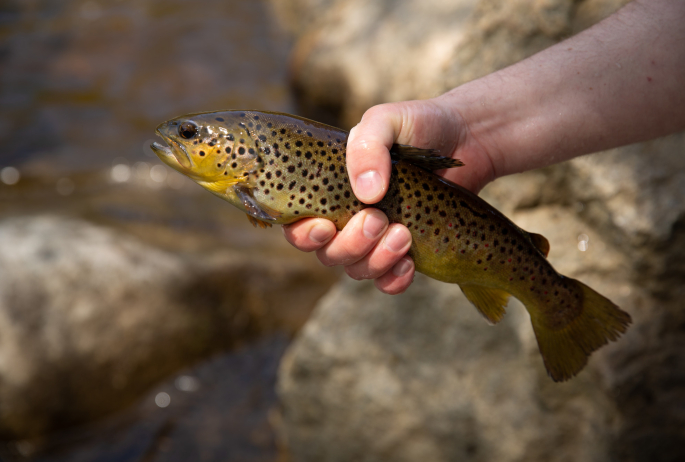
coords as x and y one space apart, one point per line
368 247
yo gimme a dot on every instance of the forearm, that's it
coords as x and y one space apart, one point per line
619 82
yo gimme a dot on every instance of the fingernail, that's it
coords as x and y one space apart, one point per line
368 185
397 239
402 267
320 233
374 224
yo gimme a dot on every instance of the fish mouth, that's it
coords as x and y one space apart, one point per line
173 155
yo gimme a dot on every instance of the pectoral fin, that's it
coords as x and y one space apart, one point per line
490 302
258 214
260 223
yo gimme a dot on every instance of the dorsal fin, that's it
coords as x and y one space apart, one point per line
428 159
540 242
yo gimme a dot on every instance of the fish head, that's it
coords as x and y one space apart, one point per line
207 148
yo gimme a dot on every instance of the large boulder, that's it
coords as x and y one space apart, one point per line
420 375
90 317
352 54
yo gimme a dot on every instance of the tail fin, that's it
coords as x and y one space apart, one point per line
565 351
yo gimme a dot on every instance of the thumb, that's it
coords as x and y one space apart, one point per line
368 152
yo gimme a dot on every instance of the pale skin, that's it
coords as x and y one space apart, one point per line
620 82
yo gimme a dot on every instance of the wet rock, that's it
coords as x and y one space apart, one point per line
218 410
420 375
90 317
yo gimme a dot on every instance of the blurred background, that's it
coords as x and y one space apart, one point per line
143 319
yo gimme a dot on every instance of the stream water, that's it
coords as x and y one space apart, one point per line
83 84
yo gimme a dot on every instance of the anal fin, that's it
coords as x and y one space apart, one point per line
490 302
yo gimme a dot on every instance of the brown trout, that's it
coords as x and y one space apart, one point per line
280 168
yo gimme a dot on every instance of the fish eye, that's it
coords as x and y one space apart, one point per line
187 130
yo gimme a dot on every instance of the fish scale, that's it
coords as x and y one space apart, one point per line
280 168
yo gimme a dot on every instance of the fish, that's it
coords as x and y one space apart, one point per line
280 168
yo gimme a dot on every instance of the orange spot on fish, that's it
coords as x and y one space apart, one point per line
532 278
408 207
509 260
449 225
436 250
511 279
422 231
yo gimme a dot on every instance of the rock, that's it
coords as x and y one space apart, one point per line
419 375
422 377
350 54
90 318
